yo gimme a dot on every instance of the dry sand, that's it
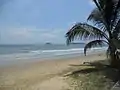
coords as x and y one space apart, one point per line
42 75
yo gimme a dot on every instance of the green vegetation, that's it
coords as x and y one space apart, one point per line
92 78
105 28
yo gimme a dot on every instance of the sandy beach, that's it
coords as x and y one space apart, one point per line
41 75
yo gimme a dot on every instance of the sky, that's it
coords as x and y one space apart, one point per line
40 21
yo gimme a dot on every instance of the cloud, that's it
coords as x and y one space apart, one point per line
32 35
48 35
39 21
20 32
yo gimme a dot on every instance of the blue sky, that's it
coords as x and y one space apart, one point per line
40 21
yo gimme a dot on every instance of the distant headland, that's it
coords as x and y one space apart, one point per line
48 43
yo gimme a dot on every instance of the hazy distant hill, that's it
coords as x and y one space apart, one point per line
78 43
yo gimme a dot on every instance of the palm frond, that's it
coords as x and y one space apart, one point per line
116 31
109 13
106 7
94 44
97 4
116 14
102 3
97 19
83 30
109 10
75 32
101 16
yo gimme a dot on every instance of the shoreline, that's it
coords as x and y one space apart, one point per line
42 75
20 61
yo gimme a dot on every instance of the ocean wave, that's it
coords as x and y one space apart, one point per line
55 51
99 48
36 51
73 50
67 53
49 53
65 50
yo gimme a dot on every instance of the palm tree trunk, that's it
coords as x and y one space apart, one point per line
115 63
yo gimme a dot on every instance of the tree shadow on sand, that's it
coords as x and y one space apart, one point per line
98 66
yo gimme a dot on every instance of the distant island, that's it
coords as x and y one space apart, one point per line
78 43
48 43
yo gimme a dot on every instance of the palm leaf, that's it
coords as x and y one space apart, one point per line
116 31
106 8
116 14
98 16
97 19
94 44
109 10
97 4
102 3
83 30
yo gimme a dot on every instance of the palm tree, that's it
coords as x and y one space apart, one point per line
105 28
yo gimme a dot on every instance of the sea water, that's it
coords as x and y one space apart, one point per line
10 54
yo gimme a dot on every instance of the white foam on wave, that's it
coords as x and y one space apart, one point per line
49 53
58 52
99 48
65 50
67 53
73 50
36 52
